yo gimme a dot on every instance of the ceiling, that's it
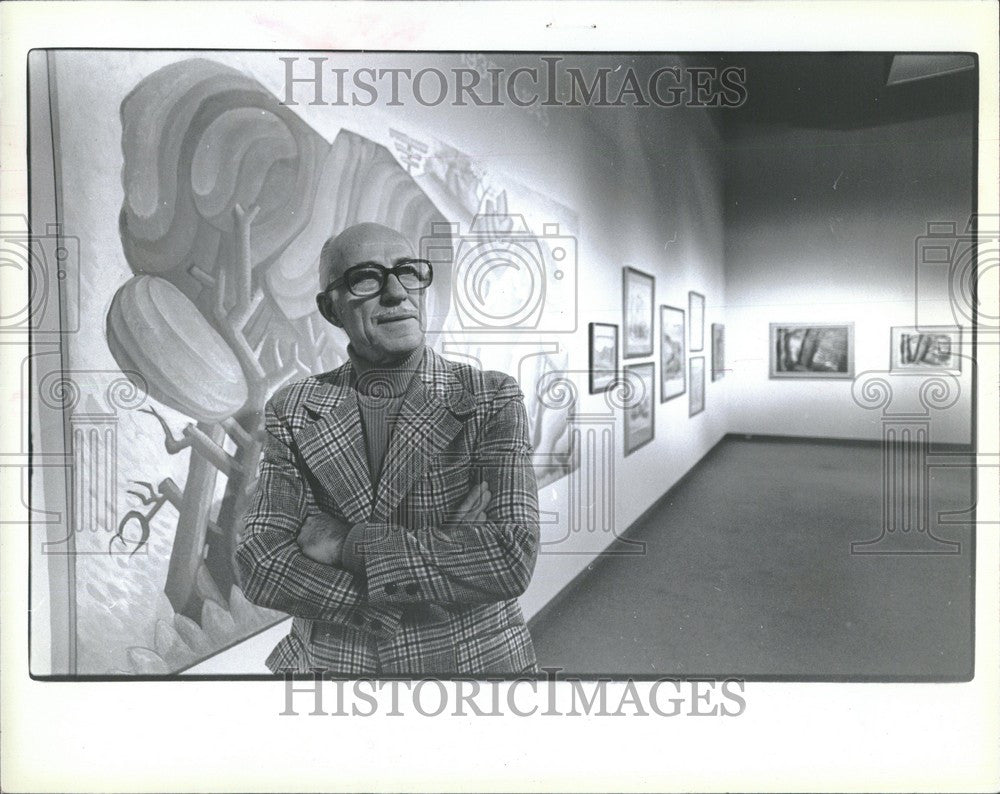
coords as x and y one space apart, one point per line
846 90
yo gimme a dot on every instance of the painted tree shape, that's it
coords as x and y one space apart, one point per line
228 199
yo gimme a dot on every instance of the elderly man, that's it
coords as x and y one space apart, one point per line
396 513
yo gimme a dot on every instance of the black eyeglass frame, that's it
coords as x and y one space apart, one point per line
384 273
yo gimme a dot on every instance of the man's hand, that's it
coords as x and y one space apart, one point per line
322 537
473 507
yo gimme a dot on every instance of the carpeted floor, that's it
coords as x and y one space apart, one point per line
748 571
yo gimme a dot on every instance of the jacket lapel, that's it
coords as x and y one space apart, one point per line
431 415
333 445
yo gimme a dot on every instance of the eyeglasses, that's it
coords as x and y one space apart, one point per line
366 280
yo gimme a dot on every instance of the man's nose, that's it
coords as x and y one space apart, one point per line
393 291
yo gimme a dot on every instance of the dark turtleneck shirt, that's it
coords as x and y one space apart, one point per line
380 389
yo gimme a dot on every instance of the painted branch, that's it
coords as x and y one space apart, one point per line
236 431
211 450
189 541
173 494
220 298
172 444
242 313
244 256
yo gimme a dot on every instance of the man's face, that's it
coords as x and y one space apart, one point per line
385 326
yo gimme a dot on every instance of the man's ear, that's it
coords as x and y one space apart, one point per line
325 305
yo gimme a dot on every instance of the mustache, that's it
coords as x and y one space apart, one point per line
390 316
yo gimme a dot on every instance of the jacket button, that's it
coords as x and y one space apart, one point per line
411 589
376 625
391 588
358 619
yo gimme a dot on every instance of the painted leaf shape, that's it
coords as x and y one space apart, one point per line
244 613
199 137
169 645
192 634
145 661
217 622
154 329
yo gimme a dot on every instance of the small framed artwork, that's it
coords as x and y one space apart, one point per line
718 351
936 348
696 320
638 290
673 373
812 351
603 356
696 398
640 425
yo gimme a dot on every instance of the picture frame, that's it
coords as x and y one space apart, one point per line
640 408
718 351
638 293
811 351
696 375
673 353
931 348
603 359
696 321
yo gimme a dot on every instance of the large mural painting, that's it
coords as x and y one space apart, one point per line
228 196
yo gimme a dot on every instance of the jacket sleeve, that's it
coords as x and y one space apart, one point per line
272 569
464 563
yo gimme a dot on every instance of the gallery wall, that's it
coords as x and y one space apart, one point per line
822 226
646 191
646 187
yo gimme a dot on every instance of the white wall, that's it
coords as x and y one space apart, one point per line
821 226
651 198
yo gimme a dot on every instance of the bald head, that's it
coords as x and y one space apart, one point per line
363 242
385 326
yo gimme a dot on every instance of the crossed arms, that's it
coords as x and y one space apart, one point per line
293 558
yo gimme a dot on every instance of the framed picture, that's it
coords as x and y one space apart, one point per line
673 375
696 398
718 351
640 418
603 356
638 289
696 320
812 351
935 348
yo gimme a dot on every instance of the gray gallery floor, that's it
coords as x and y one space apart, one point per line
748 571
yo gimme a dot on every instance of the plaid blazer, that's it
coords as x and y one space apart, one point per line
436 596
